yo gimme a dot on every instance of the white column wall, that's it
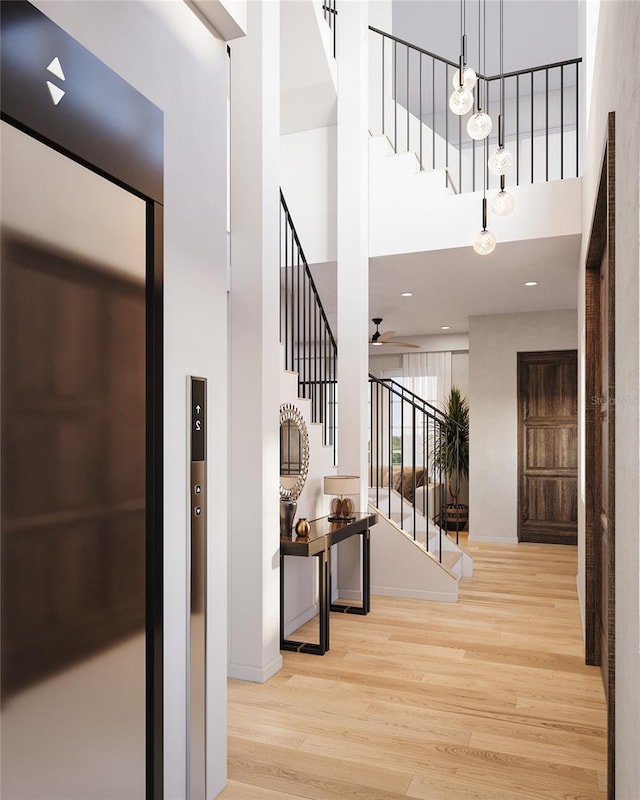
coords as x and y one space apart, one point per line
353 261
616 88
254 534
494 342
165 52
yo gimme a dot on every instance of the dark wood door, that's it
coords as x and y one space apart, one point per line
600 393
548 447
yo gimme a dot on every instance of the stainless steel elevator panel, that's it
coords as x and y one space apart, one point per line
73 467
196 728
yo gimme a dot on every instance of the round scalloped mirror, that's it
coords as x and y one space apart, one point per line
294 452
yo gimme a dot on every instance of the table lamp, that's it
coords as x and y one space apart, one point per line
341 506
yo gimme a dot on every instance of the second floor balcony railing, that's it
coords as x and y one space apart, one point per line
409 101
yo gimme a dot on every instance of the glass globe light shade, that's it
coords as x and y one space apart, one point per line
502 203
485 243
461 101
500 162
469 78
479 125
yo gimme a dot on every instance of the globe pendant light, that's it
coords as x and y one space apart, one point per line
479 124
469 78
503 202
485 241
464 78
461 101
501 160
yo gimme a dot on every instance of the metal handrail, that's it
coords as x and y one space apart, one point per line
455 64
560 141
415 399
309 345
330 14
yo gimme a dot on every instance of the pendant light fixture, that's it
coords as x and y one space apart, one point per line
479 124
485 241
503 202
500 161
464 78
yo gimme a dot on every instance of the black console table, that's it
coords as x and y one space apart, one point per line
322 536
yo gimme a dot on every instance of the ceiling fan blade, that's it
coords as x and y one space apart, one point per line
386 335
400 344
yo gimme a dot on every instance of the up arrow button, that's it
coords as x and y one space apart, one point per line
56 69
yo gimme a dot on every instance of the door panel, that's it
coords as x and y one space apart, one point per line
73 481
547 447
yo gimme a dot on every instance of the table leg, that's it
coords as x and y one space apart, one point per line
323 616
365 607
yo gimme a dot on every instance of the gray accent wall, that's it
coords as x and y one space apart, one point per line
494 342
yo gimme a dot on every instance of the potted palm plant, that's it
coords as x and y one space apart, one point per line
451 457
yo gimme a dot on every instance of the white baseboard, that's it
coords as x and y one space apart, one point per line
243 672
416 594
346 594
300 619
581 607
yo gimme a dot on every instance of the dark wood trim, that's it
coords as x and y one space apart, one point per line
611 589
602 236
131 155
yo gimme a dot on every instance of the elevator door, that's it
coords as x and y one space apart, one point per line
72 538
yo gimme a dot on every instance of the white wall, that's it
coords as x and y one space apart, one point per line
615 88
494 342
308 182
401 199
164 51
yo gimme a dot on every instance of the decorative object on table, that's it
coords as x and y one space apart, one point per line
342 506
451 457
303 529
288 506
294 464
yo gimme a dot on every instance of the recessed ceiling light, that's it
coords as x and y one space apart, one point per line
531 283
445 327
407 294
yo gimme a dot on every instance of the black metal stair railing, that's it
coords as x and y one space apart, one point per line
542 115
330 13
404 436
309 345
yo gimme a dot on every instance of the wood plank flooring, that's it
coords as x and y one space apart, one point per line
486 699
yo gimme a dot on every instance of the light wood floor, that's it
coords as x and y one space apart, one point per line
486 699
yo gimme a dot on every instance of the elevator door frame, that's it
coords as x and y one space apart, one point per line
129 154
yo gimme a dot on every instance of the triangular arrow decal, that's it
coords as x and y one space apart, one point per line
56 68
56 92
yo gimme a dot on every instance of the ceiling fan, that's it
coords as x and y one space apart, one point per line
379 338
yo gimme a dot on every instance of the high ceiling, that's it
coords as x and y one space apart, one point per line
449 286
535 31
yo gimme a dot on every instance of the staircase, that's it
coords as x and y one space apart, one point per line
407 491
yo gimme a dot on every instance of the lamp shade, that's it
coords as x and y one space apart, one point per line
342 484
